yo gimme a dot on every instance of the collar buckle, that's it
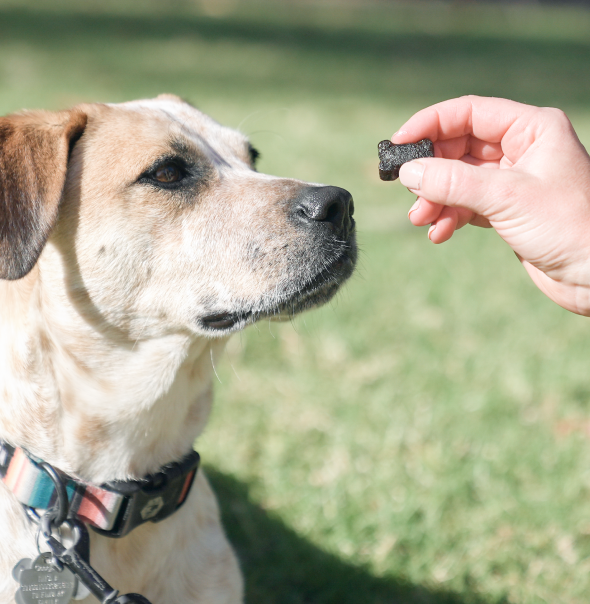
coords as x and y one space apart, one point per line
153 498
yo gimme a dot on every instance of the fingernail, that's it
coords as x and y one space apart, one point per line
431 230
414 207
411 173
399 132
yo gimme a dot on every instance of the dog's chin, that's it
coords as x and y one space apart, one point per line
298 298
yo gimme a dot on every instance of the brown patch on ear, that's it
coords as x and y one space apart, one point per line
34 151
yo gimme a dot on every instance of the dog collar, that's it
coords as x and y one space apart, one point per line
113 509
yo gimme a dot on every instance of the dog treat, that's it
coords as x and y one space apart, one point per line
391 156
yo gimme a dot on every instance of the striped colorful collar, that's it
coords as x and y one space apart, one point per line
112 509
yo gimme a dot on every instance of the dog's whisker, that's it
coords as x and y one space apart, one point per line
213 365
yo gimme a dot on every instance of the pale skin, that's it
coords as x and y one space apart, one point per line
517 168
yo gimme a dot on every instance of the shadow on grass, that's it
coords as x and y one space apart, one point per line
281 567
428 66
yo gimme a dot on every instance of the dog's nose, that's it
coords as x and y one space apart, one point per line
332 207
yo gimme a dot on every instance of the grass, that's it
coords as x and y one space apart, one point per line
424 438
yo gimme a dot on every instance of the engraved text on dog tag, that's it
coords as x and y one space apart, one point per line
40 581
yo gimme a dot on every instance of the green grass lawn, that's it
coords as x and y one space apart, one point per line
424 438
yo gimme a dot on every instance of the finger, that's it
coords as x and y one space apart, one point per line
456 148
482 163
424 212
488 119
457 183
480 221
464 216
444 226
485 150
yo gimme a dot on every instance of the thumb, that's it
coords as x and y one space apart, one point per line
452 182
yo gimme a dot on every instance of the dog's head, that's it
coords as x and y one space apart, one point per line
156 219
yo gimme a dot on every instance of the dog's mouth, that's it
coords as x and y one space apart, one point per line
314 292
226 320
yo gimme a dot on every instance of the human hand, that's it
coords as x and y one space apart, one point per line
517 168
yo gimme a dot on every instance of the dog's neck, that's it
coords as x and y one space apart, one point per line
96 410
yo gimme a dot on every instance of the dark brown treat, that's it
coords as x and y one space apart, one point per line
391 156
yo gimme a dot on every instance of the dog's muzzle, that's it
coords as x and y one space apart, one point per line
321 259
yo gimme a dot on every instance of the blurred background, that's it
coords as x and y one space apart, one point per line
425 437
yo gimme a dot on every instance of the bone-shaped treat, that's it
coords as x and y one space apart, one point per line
391 156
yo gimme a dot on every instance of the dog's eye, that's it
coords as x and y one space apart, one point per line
168 173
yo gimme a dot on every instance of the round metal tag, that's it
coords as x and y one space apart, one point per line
40 582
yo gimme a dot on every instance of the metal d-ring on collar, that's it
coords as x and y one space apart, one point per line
56 515
59 512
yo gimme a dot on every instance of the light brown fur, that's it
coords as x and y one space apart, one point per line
120 294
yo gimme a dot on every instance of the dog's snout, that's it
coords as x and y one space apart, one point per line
331 207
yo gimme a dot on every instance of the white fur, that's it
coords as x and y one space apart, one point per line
105 365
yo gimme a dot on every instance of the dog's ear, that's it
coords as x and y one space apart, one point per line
34 152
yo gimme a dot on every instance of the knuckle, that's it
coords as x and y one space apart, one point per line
556 113
448 184
556 116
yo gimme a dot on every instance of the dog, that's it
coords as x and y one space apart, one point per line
135 238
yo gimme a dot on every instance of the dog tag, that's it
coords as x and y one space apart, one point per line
40 581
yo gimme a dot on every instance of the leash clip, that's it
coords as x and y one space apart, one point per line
75 559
